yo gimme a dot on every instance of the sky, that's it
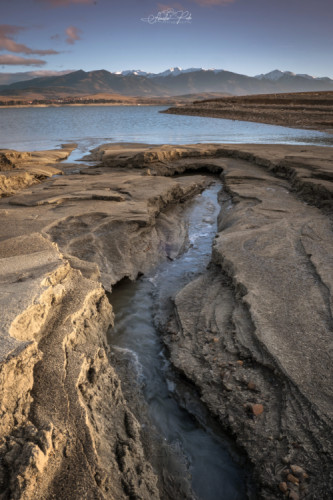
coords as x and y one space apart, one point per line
243 36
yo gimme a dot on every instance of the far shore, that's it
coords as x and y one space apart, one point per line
301 110
79 105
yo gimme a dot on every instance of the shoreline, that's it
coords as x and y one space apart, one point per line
256 120
307 111
76 105
246 344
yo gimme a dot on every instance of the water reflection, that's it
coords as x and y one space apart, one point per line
214 473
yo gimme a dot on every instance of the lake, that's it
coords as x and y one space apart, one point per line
46 128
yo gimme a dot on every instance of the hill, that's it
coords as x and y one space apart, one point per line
196 81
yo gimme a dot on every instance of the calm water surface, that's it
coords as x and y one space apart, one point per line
215 475
46 128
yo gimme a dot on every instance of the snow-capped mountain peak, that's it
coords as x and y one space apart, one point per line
178 71
175 71
136 72
274 75
169 72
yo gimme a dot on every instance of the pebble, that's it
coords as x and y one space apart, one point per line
293 479
283 487
299 471
251 385
257 409
293 495
240 362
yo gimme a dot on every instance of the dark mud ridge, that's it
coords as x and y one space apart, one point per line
308 110
248 336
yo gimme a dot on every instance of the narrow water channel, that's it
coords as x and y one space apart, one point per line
139 306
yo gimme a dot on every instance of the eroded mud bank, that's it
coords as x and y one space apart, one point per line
143 308
253 332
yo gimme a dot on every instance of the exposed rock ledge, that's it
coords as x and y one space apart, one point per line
257 344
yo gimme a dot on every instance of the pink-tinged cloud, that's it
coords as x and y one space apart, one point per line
11 46
73 34
9 29
65 3
210 3
7 42
10 60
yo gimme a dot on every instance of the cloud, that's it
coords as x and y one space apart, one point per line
65 3
10 60
210 3
73 34
9 29
48 72
7 42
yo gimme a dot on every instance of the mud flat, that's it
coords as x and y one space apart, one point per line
308 110
252 333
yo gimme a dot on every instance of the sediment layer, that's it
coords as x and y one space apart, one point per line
308 110
257 343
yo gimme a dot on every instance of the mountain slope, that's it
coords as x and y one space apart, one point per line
169 83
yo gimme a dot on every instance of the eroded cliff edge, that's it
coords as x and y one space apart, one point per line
257 343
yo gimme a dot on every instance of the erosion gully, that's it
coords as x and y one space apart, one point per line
215 467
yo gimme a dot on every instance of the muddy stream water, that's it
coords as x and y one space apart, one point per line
213 464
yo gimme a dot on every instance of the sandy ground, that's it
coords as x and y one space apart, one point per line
257 343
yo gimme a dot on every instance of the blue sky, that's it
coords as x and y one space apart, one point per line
244 36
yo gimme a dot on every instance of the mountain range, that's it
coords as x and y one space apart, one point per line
172 82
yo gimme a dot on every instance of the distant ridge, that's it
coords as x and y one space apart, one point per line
172 82
277 75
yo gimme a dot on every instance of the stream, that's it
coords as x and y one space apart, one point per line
140 306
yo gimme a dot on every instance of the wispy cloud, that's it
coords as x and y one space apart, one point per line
7 43
73 34
10 29
48 72
65 3
11 60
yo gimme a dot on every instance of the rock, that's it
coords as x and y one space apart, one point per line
283 487
298 471
257 409
293 479
293 495
251 386
240 362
